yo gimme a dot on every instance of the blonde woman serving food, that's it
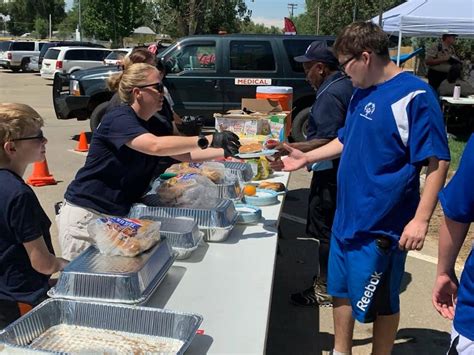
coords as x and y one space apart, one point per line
123 155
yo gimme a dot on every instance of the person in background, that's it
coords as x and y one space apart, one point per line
454 300
327 115
393 128
446 88
26 254
123 156
439 59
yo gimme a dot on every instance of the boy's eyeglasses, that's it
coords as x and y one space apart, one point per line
157 86
38 136
342 67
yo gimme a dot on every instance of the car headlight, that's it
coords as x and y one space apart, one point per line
74 88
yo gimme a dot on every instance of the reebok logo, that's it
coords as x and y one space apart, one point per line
370 288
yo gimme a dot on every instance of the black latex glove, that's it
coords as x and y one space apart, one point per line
228 141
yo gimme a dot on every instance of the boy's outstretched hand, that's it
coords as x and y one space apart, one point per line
445 294
295 160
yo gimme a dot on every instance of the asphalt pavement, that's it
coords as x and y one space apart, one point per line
291 329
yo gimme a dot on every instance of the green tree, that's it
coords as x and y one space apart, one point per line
23 14
111 19
328 17
186 17
259 28
41 27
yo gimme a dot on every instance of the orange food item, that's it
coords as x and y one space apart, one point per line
250 148
250 190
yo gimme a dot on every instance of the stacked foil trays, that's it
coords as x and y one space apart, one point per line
182 234
118 279
154 324
215 217
243 171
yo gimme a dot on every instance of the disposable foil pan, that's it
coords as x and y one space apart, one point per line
93 276
182 234
231 190
215 217
131 320
242 170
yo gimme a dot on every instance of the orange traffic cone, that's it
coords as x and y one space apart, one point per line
82 145
41 175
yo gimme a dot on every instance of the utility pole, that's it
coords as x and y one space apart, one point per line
291 7
80 22
380 12
317 8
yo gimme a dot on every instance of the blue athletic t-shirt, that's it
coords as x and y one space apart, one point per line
391 130
22 220
457 199
114 175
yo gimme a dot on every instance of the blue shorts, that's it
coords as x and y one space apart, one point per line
369 274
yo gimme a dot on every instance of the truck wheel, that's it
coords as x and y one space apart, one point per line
15 69
24 65
97 115
299 127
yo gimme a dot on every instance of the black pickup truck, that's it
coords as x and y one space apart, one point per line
205 74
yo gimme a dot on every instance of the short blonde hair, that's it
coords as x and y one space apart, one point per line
135 75
15 121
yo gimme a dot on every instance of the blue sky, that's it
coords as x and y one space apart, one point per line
268 12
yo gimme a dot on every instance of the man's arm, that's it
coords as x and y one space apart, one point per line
309 145
297 159
451 238
199 155
414 233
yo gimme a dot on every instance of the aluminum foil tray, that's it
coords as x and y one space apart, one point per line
216 218
242 170
182 234
94 320
96 277
231 190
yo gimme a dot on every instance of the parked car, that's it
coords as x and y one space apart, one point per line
206 74
65 44
117 55
15 55
66 60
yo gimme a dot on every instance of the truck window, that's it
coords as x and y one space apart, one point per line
251 56
96 55
295 48
195 57
23 46
4 46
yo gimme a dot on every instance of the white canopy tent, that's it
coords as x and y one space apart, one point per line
427 18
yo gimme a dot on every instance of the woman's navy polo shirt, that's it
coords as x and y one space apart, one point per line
22 220
114 175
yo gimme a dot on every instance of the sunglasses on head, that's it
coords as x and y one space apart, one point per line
38 136
157 86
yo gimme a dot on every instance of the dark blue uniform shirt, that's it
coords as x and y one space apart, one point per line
22 220
114 175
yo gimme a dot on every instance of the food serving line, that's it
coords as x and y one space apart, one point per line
220 290
229 284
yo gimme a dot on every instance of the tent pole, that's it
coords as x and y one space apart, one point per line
399 44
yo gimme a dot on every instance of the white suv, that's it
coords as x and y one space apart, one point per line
66 60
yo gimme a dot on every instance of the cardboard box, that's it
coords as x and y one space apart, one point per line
256 117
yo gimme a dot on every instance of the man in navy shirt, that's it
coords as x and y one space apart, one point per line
393 128
457 199
327 115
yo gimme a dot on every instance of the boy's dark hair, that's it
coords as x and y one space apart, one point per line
361 37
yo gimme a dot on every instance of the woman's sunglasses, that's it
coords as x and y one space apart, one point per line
157 86
38 136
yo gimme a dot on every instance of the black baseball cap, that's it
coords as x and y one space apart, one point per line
318 51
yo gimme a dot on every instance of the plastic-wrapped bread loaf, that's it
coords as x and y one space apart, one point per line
123 236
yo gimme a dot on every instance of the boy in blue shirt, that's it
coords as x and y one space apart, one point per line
26 254
393 128
457 200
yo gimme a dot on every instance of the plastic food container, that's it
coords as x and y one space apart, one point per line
262 198
155 326
248 214
119 279
243 171
216 217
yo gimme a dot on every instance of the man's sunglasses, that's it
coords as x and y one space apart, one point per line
39 136
157 86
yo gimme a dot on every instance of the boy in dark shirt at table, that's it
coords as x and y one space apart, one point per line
26 253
